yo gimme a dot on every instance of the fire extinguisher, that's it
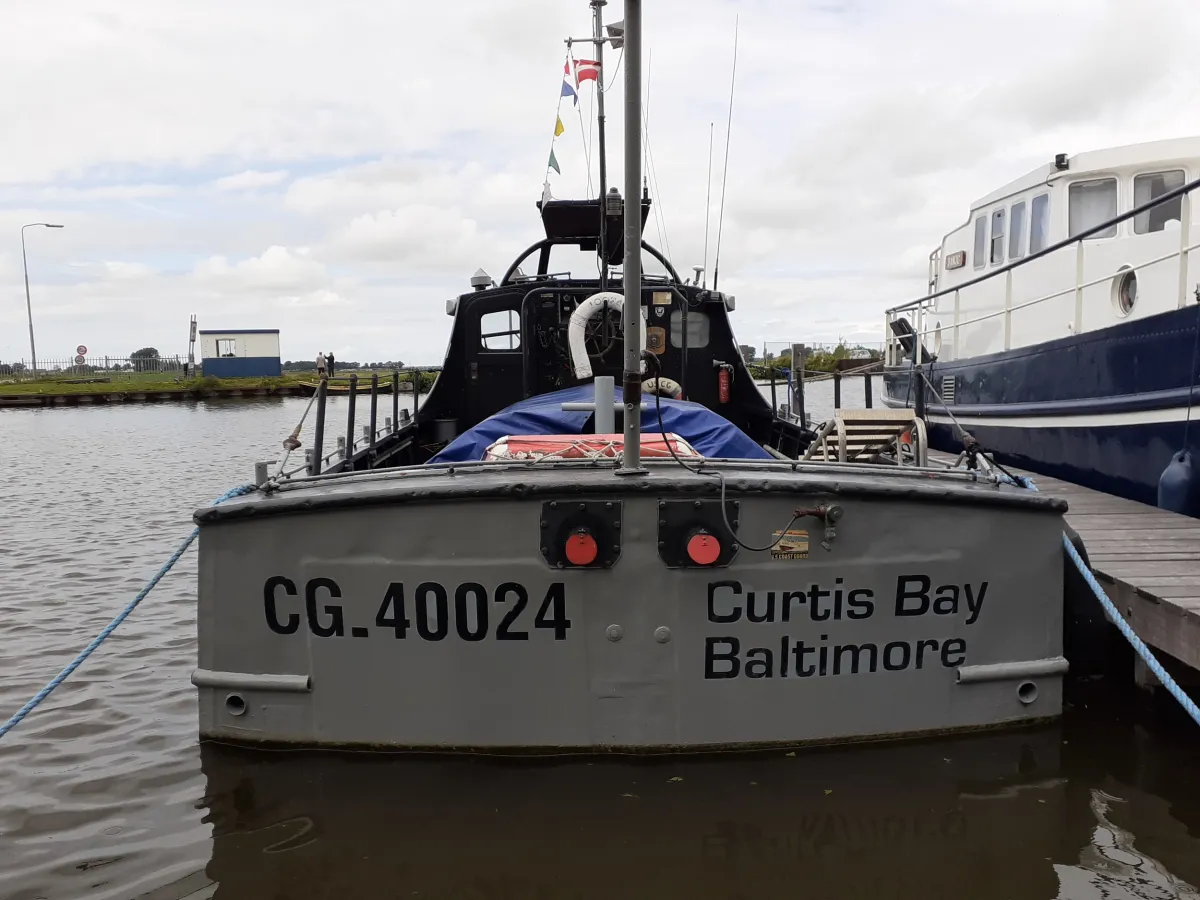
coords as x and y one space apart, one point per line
724 380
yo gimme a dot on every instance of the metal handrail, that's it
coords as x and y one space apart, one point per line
1053 248
922 306
1070 290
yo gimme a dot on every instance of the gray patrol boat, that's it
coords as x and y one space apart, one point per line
511 569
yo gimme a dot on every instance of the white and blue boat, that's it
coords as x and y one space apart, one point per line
1060 327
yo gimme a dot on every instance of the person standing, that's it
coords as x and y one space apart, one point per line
329 363
320 365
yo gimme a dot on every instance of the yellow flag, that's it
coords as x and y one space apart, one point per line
558 127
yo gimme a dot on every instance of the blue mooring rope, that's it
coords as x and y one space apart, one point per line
1152 663
112 626
1189 705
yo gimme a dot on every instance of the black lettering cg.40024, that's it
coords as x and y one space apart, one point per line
431 612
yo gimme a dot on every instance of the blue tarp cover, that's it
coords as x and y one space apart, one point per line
711 434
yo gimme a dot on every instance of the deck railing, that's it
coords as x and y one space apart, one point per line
353 450
918 311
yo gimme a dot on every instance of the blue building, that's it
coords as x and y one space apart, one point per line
240 353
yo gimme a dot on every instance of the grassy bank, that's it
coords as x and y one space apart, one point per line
164 383
139 384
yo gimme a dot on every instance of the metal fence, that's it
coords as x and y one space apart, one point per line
97 368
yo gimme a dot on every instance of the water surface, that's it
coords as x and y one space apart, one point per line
105 791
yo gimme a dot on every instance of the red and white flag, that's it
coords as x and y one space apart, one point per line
585 70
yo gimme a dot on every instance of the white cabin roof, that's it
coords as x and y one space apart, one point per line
1169 151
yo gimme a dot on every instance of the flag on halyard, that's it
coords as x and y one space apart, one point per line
568 91
585 70
558 127
554 162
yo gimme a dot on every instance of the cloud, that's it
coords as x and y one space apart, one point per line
277 269
250 180
314 300
339 172
127 271
418 236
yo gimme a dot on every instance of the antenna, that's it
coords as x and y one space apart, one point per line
708 202
646 113
598 43
725 176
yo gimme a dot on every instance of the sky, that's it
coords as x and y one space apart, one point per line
338 171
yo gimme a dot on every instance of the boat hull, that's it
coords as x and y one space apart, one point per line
1104 409
421 613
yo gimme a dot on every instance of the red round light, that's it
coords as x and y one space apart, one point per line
581 549
703 549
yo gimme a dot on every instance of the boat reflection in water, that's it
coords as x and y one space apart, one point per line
1110 866
923 819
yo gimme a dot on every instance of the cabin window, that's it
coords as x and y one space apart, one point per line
225 347
980 242
697 329
1148 187
1016 231
1039 223
997 252
1090 203
500 330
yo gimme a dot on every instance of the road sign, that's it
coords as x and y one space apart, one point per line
79 360
81 350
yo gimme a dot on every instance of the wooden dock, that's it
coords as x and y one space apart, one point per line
1147 560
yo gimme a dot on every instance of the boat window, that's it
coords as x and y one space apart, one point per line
1090 203
980 242
1016 231
997 254
225 347
1145 189
1039 223
500 330
697 329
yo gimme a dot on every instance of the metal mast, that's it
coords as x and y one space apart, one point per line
598 42
631 384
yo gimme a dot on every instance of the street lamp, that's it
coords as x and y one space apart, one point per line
28 307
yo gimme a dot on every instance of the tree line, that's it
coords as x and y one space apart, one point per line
815 361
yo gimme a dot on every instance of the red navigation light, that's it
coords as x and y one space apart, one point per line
703 549
581 549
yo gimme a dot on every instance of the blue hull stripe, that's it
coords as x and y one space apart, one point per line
1112 403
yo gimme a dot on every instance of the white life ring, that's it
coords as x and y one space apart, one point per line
578 323
666 387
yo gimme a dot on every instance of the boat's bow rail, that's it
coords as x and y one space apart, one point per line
504 479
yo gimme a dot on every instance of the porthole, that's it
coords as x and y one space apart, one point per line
1124 291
